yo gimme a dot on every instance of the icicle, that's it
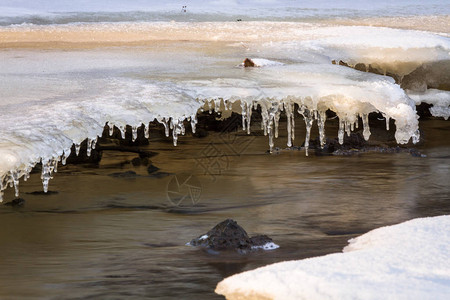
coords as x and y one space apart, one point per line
89 147
111 129
289 110
341 131
166 126
416 137
347 127
65 155
321 118
249 117
94 142
244 114
387 122
77 149
15 180
276 120
47 170
193 122
134 131
308 117
210 108
366 130
122 130
147 131
178 128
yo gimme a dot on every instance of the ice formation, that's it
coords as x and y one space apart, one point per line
132 73
438 98
309 88
404 261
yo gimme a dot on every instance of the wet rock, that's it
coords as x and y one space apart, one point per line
18 202
248 63
140 161
228 235
126 174
152 169
82 157
356 144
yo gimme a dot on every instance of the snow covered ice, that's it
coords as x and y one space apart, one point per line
61 81
404 261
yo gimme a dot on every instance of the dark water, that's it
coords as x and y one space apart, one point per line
119 237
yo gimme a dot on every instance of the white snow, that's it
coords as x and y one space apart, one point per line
77 76
267 246
405 261
438 98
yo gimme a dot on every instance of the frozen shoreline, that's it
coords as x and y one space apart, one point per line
404 261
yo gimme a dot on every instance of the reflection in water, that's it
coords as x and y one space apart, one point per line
115 237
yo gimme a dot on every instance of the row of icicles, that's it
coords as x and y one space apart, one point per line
270 112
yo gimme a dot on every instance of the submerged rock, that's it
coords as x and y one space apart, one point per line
18 202
228 235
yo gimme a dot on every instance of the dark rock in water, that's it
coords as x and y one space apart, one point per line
248 63
127 174
228 235
152 169
82 158
18 202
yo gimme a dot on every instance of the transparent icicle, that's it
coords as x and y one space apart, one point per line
387 122
134 133
15 180
178 128
341 131
94 142
347 127
244 114
276 120
366 128
147 131
89 147
65 155
77 149
321 118
111 129
249 117
289 110
48 168
122 131
309 119
194 122
166 126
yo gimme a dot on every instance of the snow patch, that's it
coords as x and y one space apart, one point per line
438 98
404 261
267 246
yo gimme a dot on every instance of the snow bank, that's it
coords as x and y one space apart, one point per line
45 131
438 98
405 261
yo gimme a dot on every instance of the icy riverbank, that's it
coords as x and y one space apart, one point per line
405 261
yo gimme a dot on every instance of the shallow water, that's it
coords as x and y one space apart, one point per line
116 237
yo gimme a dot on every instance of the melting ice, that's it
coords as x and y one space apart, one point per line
78 77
